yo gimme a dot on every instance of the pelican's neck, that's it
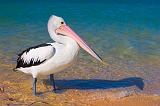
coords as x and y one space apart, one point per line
52 33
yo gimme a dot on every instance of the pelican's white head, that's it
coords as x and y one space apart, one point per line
54 23
57 27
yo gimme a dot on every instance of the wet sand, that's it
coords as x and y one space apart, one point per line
83 85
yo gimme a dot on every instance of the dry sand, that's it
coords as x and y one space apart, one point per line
20 93
16 90
16 94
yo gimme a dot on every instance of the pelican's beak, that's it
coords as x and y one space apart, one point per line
66 30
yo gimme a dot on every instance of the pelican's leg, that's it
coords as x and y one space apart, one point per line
53 82
34 86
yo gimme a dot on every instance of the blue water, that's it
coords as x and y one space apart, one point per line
122 28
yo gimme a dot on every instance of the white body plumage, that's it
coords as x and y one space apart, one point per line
63 56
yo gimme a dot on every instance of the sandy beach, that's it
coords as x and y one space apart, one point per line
20 94
16 89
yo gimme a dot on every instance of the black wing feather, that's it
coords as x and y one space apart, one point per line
22 63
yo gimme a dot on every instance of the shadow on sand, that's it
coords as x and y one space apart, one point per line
98 83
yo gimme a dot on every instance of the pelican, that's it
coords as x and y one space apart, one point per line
50 58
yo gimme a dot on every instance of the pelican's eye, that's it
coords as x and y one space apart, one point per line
62 23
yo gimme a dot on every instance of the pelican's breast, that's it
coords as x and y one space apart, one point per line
65 55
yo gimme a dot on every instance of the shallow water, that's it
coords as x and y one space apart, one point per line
126 35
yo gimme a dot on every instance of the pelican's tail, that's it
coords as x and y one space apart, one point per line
15 69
